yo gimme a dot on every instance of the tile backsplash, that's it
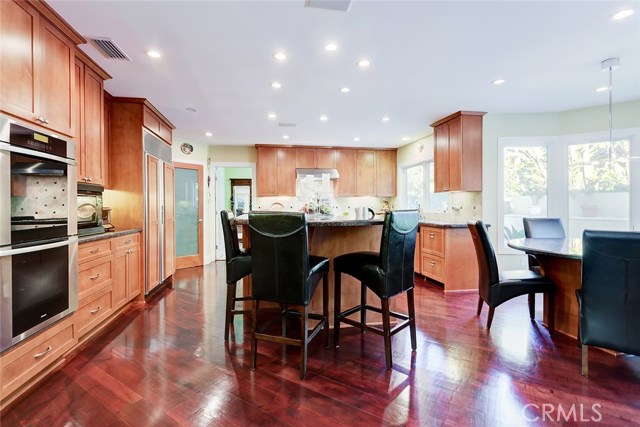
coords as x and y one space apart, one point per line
45 197
461 207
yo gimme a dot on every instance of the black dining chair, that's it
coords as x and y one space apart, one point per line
541 228
387 273
610 295
238 264
496 287
283 272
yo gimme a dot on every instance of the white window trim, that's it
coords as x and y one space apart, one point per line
558 174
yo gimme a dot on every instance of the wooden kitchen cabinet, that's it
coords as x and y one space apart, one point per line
169 221
326 158
458 152
89 121
305 158
276 172
386 166
365 173
346 165
37 55
127 264
443 250
320 158
155 124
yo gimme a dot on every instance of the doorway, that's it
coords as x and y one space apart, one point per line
233 185
189 215
240 196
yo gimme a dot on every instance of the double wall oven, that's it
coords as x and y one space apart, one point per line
38 230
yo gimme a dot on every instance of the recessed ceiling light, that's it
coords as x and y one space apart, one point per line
276 85
385 119
345 89
625 13
208 134
280 56
356 139
330 47
498 82
154 53
272 116
364 63
406 138
602 89
285 136
191 109
324 118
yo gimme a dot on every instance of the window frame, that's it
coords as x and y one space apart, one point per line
426 202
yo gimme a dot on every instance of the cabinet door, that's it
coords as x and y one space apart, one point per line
286 171
365 173
386 173
346 164
120 279
153 224
326 158
441 157
18 59
92 120
455 155
305 157
57 78
169 222
78 120
106 140
134 262
266 173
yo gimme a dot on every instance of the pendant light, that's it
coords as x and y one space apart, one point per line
610 64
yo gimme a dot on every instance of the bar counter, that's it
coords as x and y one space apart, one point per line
330 238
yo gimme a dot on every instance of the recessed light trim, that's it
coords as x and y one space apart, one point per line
364 63
331 47
280 56
208 134
602 89
405 138
356 139
154 54
385 119
272 116
285 136
323 118
498 82
624 13
276 85
345 90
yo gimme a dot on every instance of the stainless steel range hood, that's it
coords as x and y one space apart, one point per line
317 173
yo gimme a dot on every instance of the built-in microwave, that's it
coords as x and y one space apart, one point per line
89 209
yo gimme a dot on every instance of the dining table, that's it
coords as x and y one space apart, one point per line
561 261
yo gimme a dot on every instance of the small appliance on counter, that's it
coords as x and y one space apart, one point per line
89 209
106 219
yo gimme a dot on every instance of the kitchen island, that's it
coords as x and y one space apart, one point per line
330 238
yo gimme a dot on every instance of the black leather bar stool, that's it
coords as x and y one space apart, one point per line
238 266
496 287
283 272
387 273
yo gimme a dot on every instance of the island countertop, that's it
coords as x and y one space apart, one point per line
336 221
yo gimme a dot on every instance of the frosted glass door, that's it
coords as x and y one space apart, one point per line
188 195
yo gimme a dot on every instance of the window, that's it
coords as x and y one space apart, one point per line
582 179
420 185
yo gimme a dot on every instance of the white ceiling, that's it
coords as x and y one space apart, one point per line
428 59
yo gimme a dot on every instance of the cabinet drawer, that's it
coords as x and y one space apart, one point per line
127 241
94 275
432 240
433 267
31 357
93 250
93 310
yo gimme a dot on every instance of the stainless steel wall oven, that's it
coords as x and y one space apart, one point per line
38 230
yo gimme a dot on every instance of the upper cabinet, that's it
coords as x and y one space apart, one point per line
37 57
365 173
458 152
89 121
153 121
386 167
276 174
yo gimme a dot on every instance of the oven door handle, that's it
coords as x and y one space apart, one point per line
20 150
37 248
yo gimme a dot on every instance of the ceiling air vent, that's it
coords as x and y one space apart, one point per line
342 5
108 48
287 125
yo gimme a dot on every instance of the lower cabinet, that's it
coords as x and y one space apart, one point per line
443 250
108 278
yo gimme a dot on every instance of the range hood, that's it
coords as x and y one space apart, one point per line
317 173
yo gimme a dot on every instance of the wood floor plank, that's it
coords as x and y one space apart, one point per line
166 364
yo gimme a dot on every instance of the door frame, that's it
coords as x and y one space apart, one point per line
189 261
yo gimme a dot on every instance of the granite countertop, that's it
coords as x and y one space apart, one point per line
337 221
107 235
442 224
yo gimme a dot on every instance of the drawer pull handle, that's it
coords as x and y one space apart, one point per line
95 310
94 251
39 355
130 251
96 277
432 235
432 263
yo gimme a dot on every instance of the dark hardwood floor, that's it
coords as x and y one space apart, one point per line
166 364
